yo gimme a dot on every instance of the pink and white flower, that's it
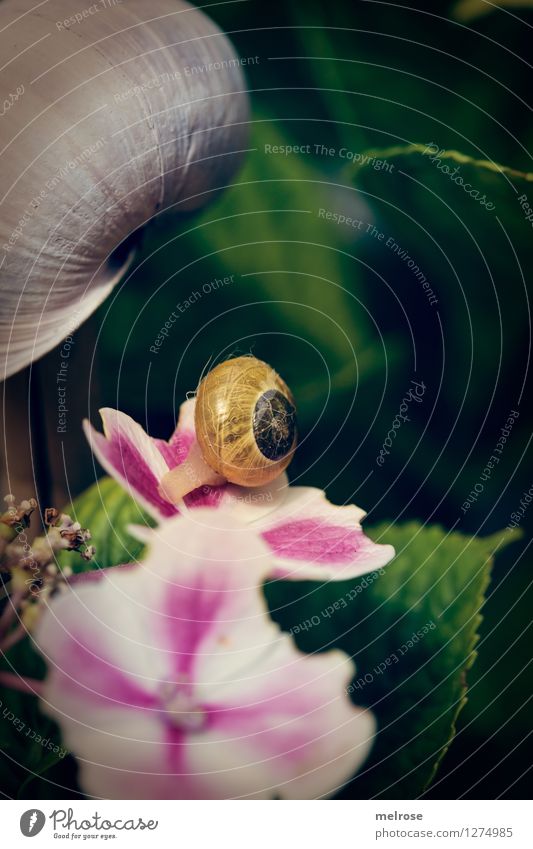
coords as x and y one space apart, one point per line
171 681
310 538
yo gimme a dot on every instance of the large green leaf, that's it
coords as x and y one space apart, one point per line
412 631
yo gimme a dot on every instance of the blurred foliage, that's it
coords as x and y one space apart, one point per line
27 737
476 258
342 316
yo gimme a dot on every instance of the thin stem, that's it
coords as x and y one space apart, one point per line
4 590
39 435
12 638
11 610
23 685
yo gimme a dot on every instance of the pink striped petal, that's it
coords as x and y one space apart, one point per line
130 456
178 446
185 429
138 461
291 732
312 539
120 755
188 636
211 603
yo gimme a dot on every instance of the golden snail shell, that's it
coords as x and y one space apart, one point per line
113 112
245 421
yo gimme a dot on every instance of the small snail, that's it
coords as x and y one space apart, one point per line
112 113
245 421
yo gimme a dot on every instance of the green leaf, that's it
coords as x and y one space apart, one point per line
412 631
469 10
106 510
467 245
440 203
268 228
418 156
30 743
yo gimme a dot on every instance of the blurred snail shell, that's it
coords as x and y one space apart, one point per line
113 112
245 423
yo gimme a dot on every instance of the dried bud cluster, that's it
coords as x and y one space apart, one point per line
30 571
15 519
72 537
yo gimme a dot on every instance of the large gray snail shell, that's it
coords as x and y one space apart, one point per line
111 113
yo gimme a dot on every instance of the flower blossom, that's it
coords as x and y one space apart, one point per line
170 680
310 538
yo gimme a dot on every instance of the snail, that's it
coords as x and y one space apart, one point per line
245 423
113 113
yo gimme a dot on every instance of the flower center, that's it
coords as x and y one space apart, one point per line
181 709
